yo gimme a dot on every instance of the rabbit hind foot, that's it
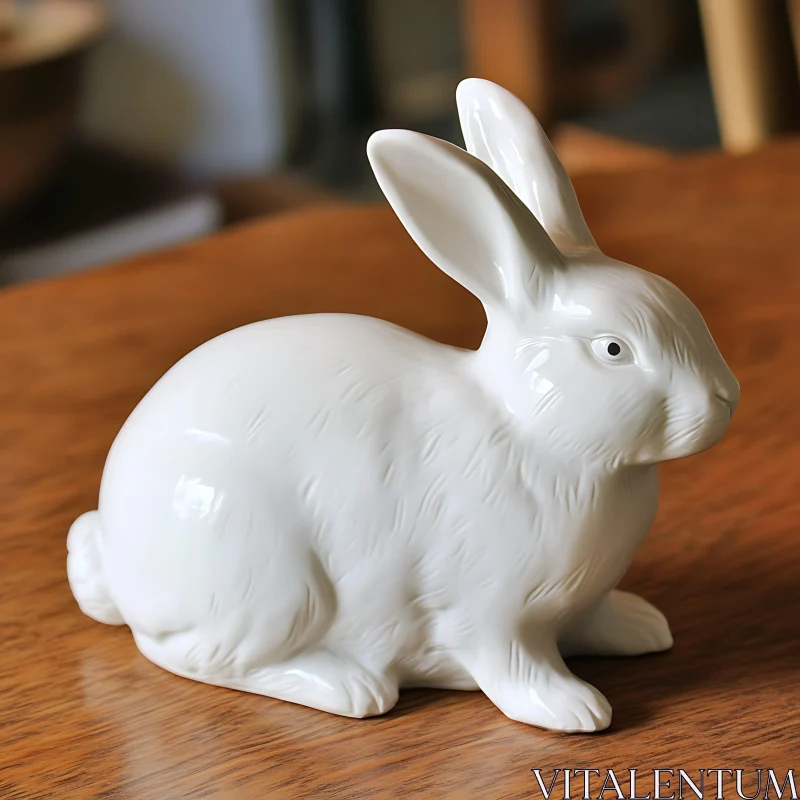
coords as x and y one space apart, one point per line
318 678
328 682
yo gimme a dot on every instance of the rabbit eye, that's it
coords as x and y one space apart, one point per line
612 350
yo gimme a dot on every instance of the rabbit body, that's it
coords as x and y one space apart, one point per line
324 509
281 490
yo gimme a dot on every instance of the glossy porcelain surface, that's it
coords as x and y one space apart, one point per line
324 509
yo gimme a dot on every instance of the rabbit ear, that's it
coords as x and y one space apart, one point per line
500 130
464 218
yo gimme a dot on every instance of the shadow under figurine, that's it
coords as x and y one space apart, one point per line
327 508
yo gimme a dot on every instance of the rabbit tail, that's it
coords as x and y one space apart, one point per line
86 573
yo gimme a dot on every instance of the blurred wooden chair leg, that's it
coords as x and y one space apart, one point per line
739 41
512 42
794 18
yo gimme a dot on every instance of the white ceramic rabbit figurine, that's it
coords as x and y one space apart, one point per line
326 508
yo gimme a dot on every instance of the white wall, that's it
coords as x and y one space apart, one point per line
196 82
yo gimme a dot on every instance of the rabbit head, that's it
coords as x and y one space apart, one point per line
597 359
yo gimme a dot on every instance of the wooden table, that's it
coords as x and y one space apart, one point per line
83 715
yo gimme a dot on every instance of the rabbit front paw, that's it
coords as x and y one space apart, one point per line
567 704
622 624
532 684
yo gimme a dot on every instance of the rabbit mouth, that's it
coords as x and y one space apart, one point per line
726 403
699 435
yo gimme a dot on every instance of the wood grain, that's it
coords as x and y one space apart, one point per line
83 715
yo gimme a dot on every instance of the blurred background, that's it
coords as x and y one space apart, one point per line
131 125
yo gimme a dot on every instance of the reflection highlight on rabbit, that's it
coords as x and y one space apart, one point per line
367 509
